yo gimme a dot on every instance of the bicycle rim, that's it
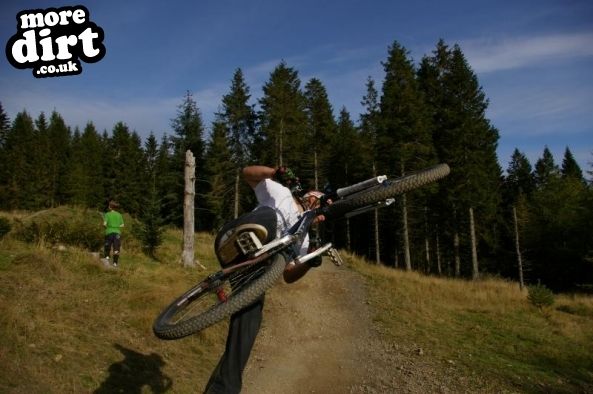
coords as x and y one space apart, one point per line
208 302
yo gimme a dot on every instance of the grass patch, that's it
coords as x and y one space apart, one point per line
488 329
67 324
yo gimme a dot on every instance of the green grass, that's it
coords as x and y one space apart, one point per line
488 329
67 324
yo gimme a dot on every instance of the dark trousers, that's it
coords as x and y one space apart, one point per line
114 240
227 378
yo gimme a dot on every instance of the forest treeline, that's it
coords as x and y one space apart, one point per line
476 221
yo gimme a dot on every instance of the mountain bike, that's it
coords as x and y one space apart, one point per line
253 258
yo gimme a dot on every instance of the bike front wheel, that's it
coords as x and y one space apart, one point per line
216 298
386 190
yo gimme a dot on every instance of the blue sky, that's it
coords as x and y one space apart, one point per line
534 60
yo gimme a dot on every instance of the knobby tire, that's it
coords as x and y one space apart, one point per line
164 328
387 190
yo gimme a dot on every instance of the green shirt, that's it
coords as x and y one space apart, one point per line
113 222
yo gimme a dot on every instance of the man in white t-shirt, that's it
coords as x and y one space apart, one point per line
274 188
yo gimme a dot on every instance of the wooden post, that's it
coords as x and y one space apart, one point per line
518 249
472 230
187 256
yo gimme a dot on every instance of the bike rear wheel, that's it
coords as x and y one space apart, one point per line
204 304
387 190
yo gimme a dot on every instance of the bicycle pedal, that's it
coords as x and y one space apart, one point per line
248 242
335 257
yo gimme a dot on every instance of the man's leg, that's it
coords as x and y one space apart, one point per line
116 248
227 378
107 246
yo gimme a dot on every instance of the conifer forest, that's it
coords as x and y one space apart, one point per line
537 216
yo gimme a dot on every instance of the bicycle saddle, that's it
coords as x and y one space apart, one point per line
244 235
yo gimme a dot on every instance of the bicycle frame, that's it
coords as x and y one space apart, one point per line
295 235
257 267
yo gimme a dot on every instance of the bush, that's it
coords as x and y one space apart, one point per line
68 226
540 296
4 227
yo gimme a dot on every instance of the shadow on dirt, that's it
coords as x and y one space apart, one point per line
134 372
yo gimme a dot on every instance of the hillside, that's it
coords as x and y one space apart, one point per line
68 324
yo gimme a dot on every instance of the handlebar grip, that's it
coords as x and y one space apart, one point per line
342 192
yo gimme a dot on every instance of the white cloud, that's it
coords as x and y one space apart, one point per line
142 115
489 55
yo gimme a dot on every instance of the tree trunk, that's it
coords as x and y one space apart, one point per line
187 256
426 241
280 142
377 241
315 169
518 249
348 246
472 231
408 259
438 252
376 227
237 180
456 251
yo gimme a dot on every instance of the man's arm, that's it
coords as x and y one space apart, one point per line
255 174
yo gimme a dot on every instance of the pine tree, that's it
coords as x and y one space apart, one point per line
167 180
545 168
151 222
369 126
220 172
570 167
17 174
125 168
518 186
59 156
344 161
519 179
282 120
465 139
321 127
557 236
189 129
43 163
238 116
85 178
404 139
344 167
151 152
4 126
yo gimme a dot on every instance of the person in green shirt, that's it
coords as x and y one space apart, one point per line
113 222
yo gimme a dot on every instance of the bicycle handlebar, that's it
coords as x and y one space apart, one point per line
345 191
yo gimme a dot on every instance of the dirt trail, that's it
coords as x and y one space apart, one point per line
318 337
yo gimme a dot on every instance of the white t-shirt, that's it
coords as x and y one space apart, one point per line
274 195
